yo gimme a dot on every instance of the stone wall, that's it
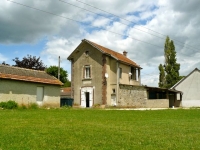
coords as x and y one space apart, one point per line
136 96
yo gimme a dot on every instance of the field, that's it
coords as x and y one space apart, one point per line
99 129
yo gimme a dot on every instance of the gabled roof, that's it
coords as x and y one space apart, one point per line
29 75
111 53
173 87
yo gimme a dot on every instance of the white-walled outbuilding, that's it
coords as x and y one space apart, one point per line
190 87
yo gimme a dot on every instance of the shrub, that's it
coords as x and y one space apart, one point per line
3 104
9 104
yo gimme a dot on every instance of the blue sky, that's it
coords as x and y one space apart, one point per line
140 29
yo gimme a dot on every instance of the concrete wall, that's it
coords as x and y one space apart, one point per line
157 103
25 92
190 88
136 96
80 59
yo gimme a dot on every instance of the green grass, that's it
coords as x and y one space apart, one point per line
99 129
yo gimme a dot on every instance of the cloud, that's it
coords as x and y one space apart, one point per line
21 24
143 36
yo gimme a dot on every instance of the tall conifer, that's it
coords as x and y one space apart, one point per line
169 72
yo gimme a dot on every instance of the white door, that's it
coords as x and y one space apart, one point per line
113 100
83 102
87 96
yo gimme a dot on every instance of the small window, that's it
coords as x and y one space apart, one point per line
87 72
86 53
113 90
120 72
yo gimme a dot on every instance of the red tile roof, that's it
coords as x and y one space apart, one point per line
22 74
114 54
65 91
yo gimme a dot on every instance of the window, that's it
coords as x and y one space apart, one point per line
87 72
86 53
120 72
133 73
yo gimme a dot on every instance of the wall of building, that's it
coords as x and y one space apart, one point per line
112 78
190 88
136 96
125 75
25 92
80 59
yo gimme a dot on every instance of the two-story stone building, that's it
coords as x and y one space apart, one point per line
97 73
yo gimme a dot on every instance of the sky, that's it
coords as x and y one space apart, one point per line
52 28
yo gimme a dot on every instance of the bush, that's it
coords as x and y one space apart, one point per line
9 105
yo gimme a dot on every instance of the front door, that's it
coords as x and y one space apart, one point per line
86 97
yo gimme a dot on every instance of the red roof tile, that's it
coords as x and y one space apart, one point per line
22 74
114 54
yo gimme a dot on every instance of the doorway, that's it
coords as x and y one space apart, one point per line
87 98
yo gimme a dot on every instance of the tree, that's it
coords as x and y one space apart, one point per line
30 62
4 63
161 76
53 70
169 72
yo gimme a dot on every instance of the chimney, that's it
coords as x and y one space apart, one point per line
125 53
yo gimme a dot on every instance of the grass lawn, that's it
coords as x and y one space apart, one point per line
99 129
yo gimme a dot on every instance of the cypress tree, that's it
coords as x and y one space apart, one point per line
161 76
171 67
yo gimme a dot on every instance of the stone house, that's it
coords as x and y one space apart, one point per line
101 76
27 86
190 87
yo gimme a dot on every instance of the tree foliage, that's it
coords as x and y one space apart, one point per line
4 63
161 76
169 72
30 62
53 70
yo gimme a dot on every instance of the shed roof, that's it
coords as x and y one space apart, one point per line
29 75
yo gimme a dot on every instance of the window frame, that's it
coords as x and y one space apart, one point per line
87 72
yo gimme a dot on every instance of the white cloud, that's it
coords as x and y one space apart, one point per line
177 19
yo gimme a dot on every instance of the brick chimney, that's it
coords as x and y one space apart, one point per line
125 53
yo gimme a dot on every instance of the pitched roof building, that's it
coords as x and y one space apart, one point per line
27 86
97 72
190 87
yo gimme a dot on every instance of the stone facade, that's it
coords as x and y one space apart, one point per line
25 92
137 96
